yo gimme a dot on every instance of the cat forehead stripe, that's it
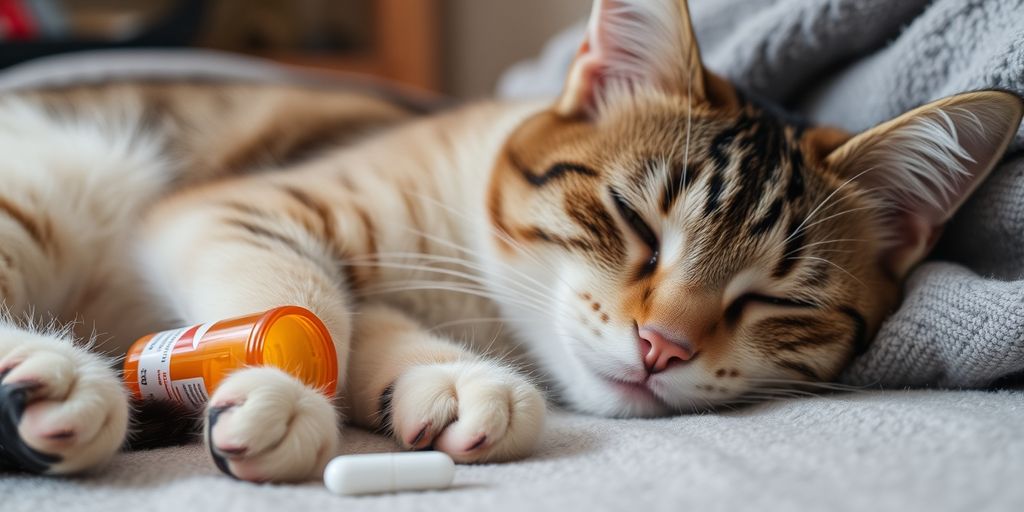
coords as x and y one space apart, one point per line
552 173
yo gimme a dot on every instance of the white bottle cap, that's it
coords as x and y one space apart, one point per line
389 472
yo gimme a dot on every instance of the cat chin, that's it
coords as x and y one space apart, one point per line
617 402
588 393
661 395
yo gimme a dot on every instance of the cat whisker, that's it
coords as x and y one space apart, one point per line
807 218
689 118
844 212
774 396
832 386
466 250
451 286
494 338
448 272
826 251
373 260
830 262
430 258
785 391
797 391
506 237
454 288
815 244
466 321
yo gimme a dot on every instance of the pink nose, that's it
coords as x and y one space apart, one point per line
658 351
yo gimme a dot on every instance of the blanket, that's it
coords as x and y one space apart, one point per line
856 63
880 451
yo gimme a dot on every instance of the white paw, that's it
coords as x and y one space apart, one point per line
62 408
474 411
264 425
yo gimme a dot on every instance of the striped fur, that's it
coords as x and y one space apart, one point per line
450 255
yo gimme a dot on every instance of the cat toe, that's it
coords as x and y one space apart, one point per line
263 425
62 409
475 412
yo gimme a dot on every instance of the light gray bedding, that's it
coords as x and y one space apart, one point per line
874 451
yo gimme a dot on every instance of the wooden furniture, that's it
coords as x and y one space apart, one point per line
397 40
404 46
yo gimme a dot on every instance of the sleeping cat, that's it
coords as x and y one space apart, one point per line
654 242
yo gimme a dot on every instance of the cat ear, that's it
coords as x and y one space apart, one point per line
635 43
924 164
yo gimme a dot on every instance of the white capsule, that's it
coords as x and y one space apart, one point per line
389 472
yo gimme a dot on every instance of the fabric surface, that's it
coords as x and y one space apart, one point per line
854 64
199 65
933 451
106 65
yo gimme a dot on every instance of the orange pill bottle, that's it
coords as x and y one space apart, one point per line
186 365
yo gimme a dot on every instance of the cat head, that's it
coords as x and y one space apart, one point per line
668 245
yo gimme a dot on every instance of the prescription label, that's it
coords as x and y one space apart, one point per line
155 382
190 392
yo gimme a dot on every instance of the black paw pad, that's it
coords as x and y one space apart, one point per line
15 455
213 414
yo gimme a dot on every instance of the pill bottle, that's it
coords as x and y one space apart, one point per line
186 365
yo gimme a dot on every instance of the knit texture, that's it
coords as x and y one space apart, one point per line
854 64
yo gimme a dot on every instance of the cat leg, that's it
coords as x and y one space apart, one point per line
62 408
214 262
73 185
430 391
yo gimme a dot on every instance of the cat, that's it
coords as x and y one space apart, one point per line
653 242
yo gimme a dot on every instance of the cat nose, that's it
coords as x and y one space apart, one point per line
659 351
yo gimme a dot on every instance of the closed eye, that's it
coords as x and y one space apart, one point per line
735 310
642 230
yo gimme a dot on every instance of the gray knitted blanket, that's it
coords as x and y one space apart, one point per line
855 63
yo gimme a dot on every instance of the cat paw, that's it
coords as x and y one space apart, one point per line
263 425
62 409
474 411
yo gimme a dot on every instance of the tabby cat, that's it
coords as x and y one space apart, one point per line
654 242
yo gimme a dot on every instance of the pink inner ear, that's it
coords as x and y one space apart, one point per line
925 164
920 207
577 97
642 43
586 78
913 238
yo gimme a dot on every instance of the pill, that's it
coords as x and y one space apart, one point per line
389 472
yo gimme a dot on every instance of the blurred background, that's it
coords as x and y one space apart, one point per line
456 47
